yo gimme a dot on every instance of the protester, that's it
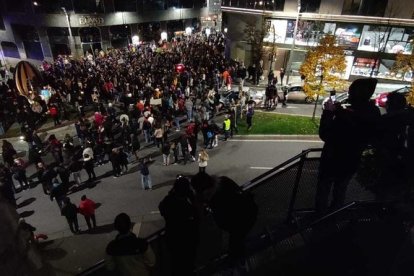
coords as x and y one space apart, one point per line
70 211
145 175
202 160
87 209
128 255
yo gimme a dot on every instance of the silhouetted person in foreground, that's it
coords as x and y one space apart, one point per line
346 133
394 146
182 226
128 254
233 209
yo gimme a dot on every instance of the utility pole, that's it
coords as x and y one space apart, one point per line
71 38
292 48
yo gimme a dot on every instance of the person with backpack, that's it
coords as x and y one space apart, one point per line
145 176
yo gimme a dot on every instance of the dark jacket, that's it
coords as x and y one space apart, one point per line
69 210
346 133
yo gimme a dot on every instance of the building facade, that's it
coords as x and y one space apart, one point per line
371 31
41 30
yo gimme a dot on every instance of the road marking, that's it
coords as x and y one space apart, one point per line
256 140
261 168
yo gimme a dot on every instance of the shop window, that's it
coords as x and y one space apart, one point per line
400 41
348 36
308 33
310 5
364 67
10 49
365 7
31 42
88 35
120 35
373 38
33 50
386 71
277 31
125 5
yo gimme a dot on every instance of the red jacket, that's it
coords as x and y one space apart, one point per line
87 207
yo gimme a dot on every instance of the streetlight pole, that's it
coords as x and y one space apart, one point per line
292 48
71 38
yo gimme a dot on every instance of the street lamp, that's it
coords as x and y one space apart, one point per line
292 48
71 38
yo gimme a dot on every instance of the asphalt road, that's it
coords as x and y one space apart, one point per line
239 159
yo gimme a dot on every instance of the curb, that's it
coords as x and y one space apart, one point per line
277 137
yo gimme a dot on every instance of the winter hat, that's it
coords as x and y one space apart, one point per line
361 90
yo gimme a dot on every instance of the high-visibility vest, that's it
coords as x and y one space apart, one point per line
227 124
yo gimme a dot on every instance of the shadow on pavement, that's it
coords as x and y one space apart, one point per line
26 214
26 202
53 253
102 229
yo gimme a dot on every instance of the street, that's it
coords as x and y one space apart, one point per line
239 159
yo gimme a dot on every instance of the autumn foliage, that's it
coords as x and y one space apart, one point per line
323 67
405 63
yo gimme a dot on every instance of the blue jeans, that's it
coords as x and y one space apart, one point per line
177 122
146 182
189 115
147 135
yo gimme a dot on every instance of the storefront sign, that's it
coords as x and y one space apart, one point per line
91 21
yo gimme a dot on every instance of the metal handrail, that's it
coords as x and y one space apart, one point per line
279 168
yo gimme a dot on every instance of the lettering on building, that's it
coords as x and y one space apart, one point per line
91 21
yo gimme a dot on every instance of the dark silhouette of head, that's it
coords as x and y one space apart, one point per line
396 101
122 223
83 197
201 182
361 91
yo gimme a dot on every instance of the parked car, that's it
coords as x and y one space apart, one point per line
381 98
297 94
